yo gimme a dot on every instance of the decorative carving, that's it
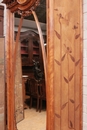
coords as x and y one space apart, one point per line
23 7
22 1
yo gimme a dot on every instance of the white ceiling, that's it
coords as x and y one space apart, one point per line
29 25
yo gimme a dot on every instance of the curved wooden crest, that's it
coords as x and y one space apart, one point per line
21 5
22 1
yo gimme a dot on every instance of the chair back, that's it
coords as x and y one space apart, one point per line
42 88
34 87
27 87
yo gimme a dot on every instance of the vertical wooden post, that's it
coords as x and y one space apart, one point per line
50 66
9 60
64 65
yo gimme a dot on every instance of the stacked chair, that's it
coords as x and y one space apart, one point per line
36 89
42 87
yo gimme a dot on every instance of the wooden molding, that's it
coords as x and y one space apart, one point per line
21 5
22 1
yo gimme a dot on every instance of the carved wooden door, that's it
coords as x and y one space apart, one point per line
19 108
64 65
2 85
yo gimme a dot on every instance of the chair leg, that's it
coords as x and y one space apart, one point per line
40 105
30 102
37 104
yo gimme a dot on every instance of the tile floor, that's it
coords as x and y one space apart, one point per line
33 120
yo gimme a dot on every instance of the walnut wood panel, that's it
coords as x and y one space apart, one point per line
65 64
30 51
2 85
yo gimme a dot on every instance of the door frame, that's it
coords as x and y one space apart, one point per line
50 70
10 77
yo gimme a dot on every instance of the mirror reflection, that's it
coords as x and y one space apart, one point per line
30 88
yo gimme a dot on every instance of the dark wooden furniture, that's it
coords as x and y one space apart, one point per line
27 87
42 87
30 50
36 90
34 93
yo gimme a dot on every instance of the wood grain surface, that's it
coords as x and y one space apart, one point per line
64 66
64 46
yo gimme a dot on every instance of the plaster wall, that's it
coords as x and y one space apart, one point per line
85 65
4 17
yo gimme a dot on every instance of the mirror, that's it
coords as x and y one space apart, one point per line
32 61
69 58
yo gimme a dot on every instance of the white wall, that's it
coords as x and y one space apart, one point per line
85 65
4 17
29 25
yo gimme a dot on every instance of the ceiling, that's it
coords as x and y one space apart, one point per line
40 11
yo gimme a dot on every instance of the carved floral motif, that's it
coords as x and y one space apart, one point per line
68 57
